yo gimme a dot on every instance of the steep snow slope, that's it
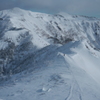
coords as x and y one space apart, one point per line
27 32
49 56
58 74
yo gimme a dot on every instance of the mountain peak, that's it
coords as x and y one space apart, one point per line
17 10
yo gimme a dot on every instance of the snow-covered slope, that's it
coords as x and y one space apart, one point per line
49 57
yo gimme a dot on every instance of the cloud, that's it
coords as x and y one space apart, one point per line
82 7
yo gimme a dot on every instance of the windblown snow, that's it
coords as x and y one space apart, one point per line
49 57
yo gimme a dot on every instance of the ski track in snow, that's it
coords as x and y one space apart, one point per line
70 93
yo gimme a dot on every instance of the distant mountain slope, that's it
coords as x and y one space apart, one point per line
54 57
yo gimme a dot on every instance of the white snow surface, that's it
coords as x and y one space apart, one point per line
49 57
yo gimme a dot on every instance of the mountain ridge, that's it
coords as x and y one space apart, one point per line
45 56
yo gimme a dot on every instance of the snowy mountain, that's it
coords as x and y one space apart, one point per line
49 57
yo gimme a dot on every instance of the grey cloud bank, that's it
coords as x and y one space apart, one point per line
80 7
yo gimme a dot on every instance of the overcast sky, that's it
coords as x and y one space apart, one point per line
78 7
